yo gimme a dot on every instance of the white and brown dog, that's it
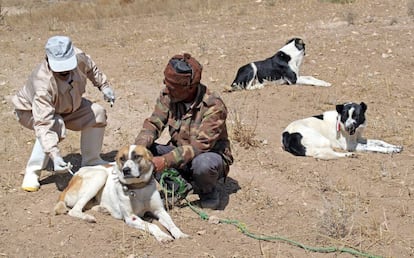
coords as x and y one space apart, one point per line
281 68
126 189
342 128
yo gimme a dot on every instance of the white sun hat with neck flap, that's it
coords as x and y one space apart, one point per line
60 54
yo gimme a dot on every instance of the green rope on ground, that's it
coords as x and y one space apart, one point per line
173 175
243 228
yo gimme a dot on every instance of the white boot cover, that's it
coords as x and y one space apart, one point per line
91 146
37 161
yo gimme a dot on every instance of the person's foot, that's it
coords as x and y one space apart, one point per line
210 200
31 182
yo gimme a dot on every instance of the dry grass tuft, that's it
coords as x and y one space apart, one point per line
242 133
336 219
350 17
3 14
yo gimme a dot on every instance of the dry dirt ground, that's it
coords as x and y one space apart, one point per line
364 48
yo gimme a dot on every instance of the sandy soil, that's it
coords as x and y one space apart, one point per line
365 49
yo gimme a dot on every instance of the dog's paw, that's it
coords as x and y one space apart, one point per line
60 208
183 235
391 149
163 238
177 233
89 218
325 84
351 155
81 215
398 149
228 89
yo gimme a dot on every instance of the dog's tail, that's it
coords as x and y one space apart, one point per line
292 143
61 208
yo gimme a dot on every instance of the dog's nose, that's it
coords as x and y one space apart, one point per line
352 129
126 171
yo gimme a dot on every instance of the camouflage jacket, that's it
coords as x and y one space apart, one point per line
194 130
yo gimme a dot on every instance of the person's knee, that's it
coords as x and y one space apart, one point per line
100 114
210 164
202 166
207 169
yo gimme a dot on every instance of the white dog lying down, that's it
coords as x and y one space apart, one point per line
341 128
126 189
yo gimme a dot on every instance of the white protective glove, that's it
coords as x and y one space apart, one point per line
109 95
59 165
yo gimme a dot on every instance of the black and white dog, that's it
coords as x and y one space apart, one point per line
282 68
342 128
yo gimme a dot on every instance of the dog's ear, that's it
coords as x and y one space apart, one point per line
281 59
149 155
120 155
291 40
144 152
339 108
363 106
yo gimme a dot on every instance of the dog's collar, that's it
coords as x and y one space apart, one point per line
338 123
129 189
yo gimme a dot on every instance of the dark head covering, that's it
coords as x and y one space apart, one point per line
183 70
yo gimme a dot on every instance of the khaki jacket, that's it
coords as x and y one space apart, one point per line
46 95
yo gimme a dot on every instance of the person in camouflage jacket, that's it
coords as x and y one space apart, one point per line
199 147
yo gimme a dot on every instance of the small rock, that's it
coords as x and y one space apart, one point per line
214 220
201 232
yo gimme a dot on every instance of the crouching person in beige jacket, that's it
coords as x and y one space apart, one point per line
51 101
